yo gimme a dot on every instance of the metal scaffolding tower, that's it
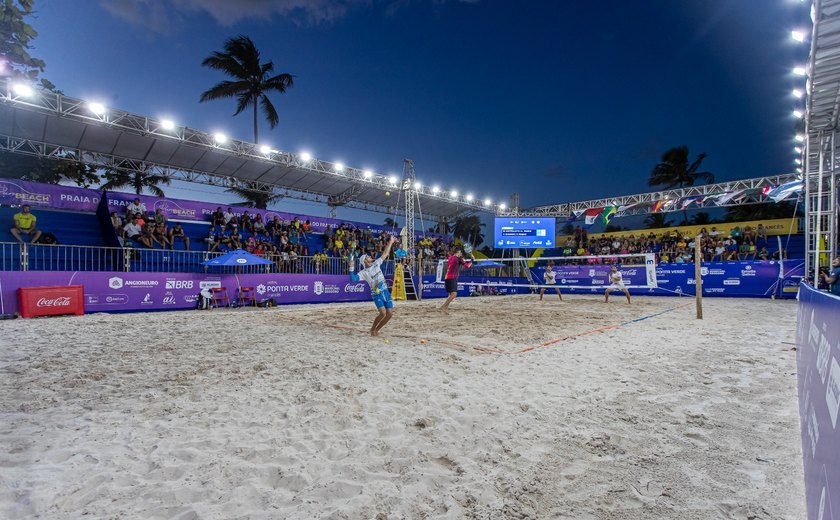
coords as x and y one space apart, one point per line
410 193
820 154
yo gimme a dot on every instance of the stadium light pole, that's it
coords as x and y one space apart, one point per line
698 276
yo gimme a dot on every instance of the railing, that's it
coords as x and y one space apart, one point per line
27 257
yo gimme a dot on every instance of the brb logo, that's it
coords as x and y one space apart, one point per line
179 284
319 288
115 283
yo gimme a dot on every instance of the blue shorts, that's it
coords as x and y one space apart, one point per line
383 299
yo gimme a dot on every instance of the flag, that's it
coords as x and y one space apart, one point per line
687 201
726 197
660 205
591 215
782 192
608 213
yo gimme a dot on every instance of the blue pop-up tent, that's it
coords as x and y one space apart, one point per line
237 258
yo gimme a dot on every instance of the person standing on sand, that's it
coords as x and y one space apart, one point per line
372 274
453 269
616 283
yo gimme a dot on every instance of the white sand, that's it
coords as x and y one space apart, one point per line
266 413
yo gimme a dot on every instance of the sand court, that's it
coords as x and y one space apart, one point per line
512 408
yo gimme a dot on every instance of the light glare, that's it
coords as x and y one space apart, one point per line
502 206
454 193
22 90
797 93
368 174
392 180
265 149
435 189
800 138
797 114
305 156
220 138
97 108
469 197
339 167
797 149
167 124
799 71
417 185
797 36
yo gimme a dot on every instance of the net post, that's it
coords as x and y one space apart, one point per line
698 278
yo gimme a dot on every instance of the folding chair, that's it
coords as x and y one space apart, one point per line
247 296
220 296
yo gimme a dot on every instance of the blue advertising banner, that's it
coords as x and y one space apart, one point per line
16 192
818 378
748 279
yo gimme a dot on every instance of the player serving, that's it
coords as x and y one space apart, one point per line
372 274
453 269
550 279
616 283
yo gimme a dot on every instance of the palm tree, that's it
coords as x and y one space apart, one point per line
251 79
254 197
702 219
468 229
136 180
675 172
768 210
656 220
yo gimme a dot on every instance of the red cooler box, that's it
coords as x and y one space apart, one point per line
50 301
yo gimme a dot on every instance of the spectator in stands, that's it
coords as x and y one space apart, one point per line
141 219
246 223
228 216
217 218
147 236
214 240
132 230
763 254
136 207
307 227
832 277
160 235
160 218
177 232
258 226
234 239
24 224
117 222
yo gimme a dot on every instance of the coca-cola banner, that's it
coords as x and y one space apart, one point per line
818 377
131 292
16 192
50 301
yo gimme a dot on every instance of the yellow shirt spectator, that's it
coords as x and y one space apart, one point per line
24 221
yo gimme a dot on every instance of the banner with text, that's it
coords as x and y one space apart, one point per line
15 192
818 378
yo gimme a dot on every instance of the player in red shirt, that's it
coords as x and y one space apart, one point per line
456 260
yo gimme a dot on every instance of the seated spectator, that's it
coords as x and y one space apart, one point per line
117 222
217 218
227 216
160 218
720 251
763 254
233 239
214 240
307 227
258 225
731 249
736 234
146 237
136 207
24 224
246 223
160 236
132 230
177 232
141 219
714 233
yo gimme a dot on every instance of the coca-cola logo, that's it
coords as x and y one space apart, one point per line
63 301
355 288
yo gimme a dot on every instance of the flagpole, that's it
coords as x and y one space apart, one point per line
698 278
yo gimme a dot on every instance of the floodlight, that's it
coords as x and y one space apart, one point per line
339 167
797 114
502 206
220 138
799 71
488 202
167 124
305 156
798 161
797 149
435 189
23 90
368 174
797 36
417 185
454 193
469 197
797 93
800 138
97 108
392 179
799 170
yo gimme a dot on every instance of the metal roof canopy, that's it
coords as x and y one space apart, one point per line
53 125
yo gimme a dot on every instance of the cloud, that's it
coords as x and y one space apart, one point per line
162 16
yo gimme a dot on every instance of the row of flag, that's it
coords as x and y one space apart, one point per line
779 193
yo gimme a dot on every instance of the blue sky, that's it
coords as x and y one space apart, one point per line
557 100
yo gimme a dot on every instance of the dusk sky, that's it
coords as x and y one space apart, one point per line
557 100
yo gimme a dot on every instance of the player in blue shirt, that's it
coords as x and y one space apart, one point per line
372 274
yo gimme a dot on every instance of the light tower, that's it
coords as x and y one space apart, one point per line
410 193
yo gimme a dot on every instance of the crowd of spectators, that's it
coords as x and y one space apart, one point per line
677 247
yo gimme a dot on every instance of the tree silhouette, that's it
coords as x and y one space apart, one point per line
469 230
656 220
254 197
137 181
252 80
675 172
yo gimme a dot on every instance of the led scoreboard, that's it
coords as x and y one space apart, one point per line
524 232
